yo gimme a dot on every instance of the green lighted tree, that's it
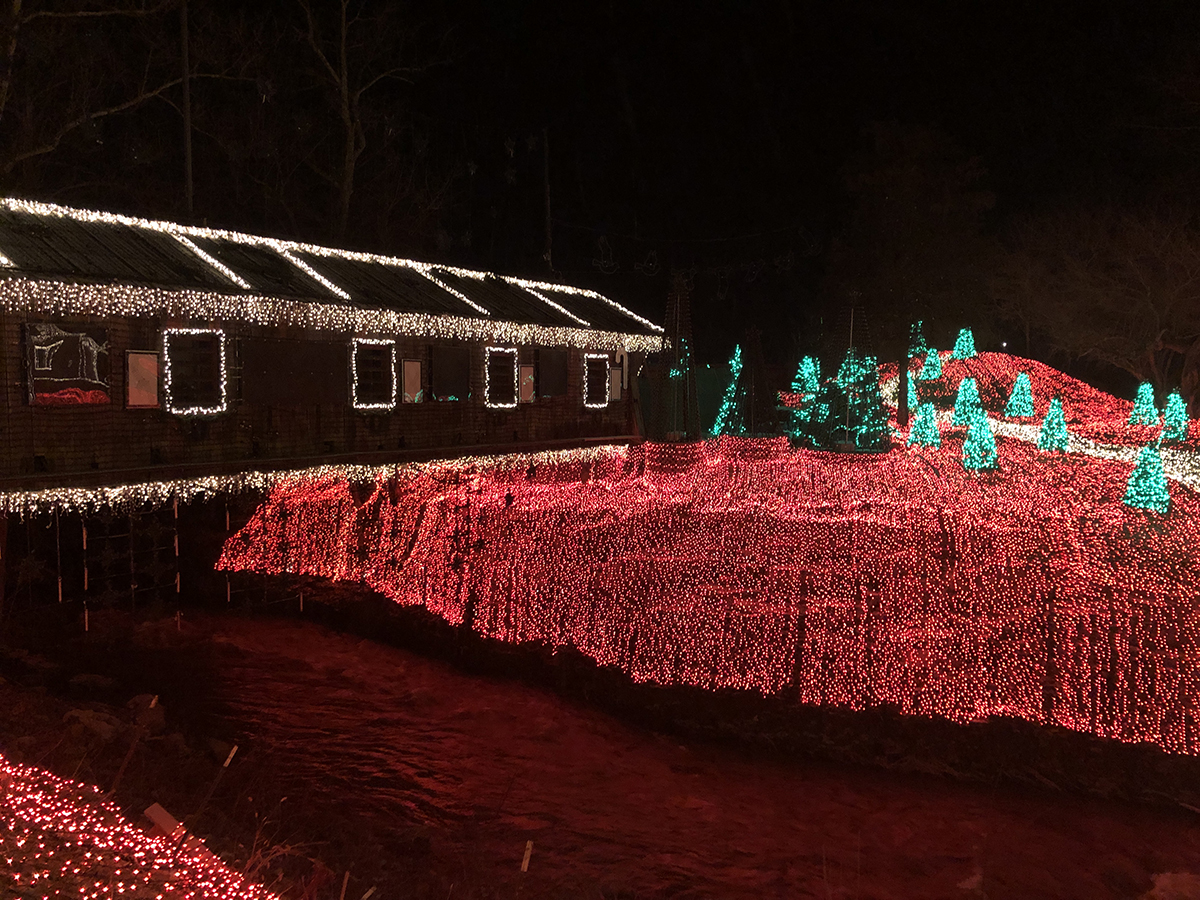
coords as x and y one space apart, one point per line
866 418
912 392
729 418
1147 487
1053 436
925 431
964 347
966 404
979 449
1175 419
932 370
1020 401
808 376
1144 410
916 339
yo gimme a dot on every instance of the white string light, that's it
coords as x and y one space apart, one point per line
44 297
213 261
552 304
449 290
487 377
168 384
290 248
587 401
371 342
159 493
313 273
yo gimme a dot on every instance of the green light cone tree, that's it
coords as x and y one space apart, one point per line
1147 488
925 431
932 370
1020 401
916 339
1175 419
808 376
979 449
964 347
966 404
1144 410
912 392
866 417
730 419
1053 436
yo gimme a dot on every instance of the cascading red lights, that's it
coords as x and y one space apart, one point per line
1028 591
59 838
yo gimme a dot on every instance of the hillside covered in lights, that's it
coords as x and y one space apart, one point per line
60 838
853 580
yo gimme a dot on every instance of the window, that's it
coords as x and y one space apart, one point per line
596 383
141 379
552 373
194 377
373 374
500 377
412 382
615 378
528 384
451 372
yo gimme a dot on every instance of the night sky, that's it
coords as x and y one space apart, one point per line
720 139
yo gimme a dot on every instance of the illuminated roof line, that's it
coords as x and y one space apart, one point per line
289 248
562 309
213 261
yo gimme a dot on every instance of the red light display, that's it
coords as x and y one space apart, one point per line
1030 591
59 838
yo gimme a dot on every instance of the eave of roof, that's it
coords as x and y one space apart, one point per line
537 304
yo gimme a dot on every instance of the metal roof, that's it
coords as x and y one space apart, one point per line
48 241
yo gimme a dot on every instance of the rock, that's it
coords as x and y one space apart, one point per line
89 683
90 722
152 718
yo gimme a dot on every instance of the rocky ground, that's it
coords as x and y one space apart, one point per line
423 776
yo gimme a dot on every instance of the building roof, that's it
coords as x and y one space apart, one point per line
45 241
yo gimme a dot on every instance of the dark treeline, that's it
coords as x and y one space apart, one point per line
1024 168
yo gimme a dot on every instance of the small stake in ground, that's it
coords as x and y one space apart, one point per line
528 853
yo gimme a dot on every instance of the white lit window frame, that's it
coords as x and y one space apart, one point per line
587 401
168 385
354 401
487 377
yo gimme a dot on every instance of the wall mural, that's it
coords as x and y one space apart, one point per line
66 366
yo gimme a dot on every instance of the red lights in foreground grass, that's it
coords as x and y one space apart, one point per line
1030 590
59 838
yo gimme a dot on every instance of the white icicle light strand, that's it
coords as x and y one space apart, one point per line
185 490
46 297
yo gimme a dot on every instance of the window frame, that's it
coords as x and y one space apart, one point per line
168 398
354 401
487 377
587 401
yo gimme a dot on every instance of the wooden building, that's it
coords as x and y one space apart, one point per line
133 350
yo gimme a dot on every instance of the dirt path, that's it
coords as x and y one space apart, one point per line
397 752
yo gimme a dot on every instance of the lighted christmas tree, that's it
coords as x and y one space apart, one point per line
925 431
808 376
912 392
1148 483
729 421
1144 410
866 419
1053 436
916 339
966 404
1175 419
1020 401
964 347
932 370
979 449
